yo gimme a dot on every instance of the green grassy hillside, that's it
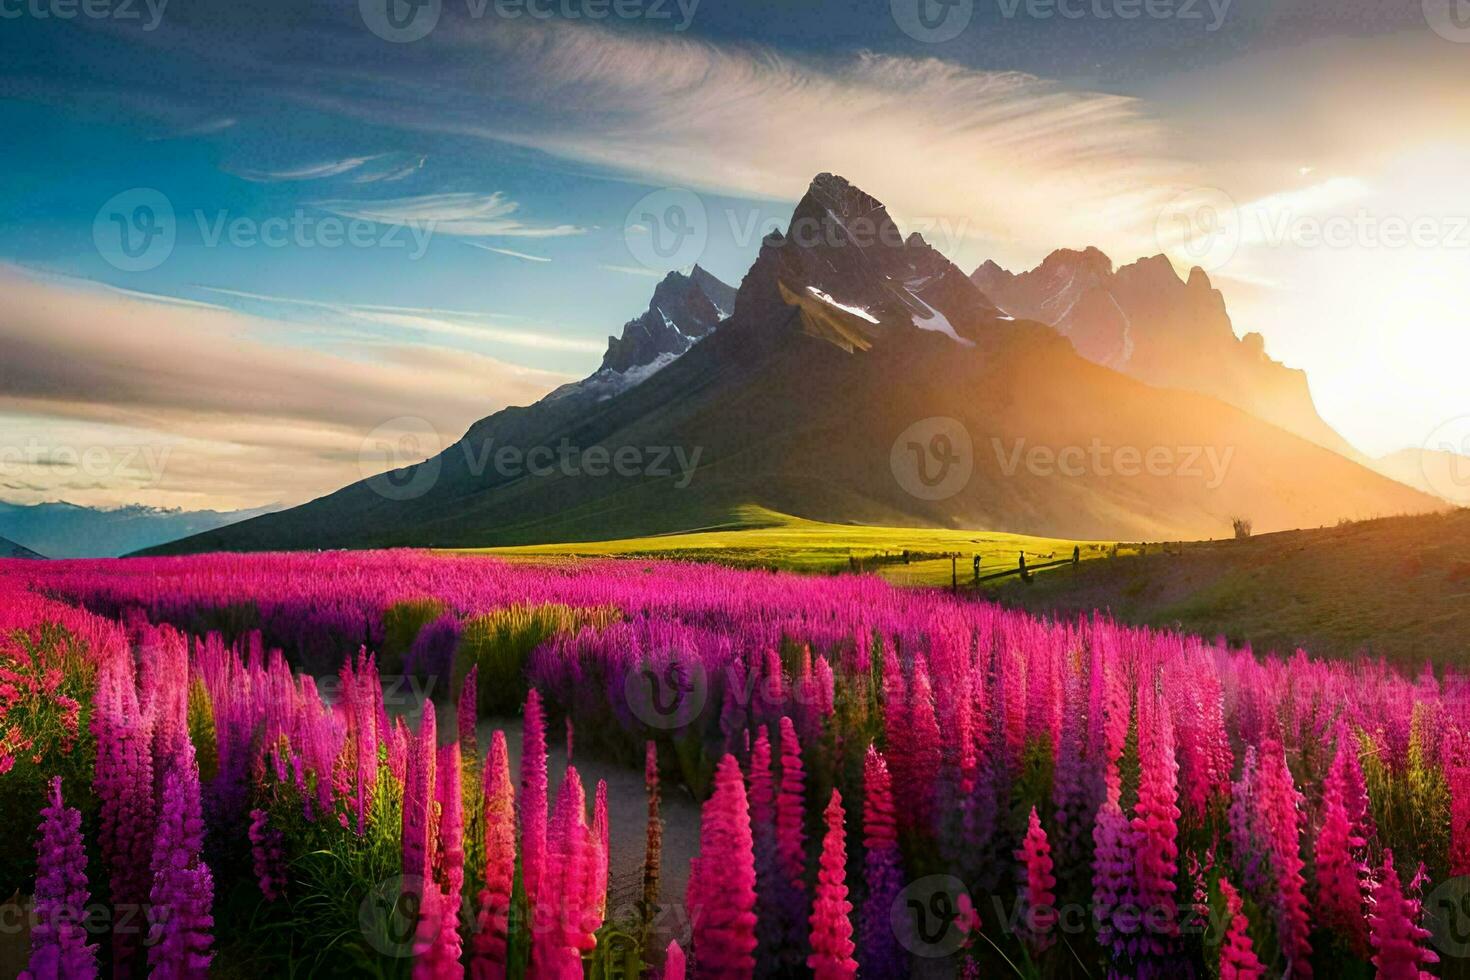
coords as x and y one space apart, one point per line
1397 587
759 538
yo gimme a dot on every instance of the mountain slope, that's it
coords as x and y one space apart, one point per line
1144 321
843 350
9 549
1439 472
64 530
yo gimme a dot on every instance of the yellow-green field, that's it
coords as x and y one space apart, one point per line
761 538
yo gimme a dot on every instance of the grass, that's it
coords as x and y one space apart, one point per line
760 538
1396 587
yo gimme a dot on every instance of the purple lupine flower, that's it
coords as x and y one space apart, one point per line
183 889
59 949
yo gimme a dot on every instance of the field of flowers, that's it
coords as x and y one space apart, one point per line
207 766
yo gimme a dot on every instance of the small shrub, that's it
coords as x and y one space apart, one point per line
1242 527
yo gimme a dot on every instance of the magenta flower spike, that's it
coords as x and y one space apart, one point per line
488 946
465 714
881 954
721 893
791 810
1238 960
831 919
674 962
1038 884
533 799
1397 938
59 948
441 959
179 943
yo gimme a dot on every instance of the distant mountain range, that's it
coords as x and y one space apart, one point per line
1146 322
62 530
1435 471
862 377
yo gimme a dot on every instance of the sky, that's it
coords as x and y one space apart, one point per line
246 250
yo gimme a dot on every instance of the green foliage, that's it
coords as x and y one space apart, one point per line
201 731
1411 806
342 911
402 623
500 642
46 689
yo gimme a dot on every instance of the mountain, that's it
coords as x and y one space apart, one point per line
64 530
861 378
9 549
684 310
1439 472
1144 321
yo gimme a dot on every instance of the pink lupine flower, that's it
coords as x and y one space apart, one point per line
441 959
465 714
602 830
567 917
881 954
533 799
1339 869
1156 820
1238 960
489 943
925 754
179 943
674 964
1038 884
267 856
1394 930
1281 816
123 783
721 894
59 949
791 810
418 799
831 920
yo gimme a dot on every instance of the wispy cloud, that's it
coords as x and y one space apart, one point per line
513 254
310 171
634 270
481 215
484 328
247 419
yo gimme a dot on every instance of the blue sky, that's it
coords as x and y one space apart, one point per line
490 170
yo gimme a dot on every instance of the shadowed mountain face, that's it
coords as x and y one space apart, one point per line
9 549
1144 321
861 378
684 309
